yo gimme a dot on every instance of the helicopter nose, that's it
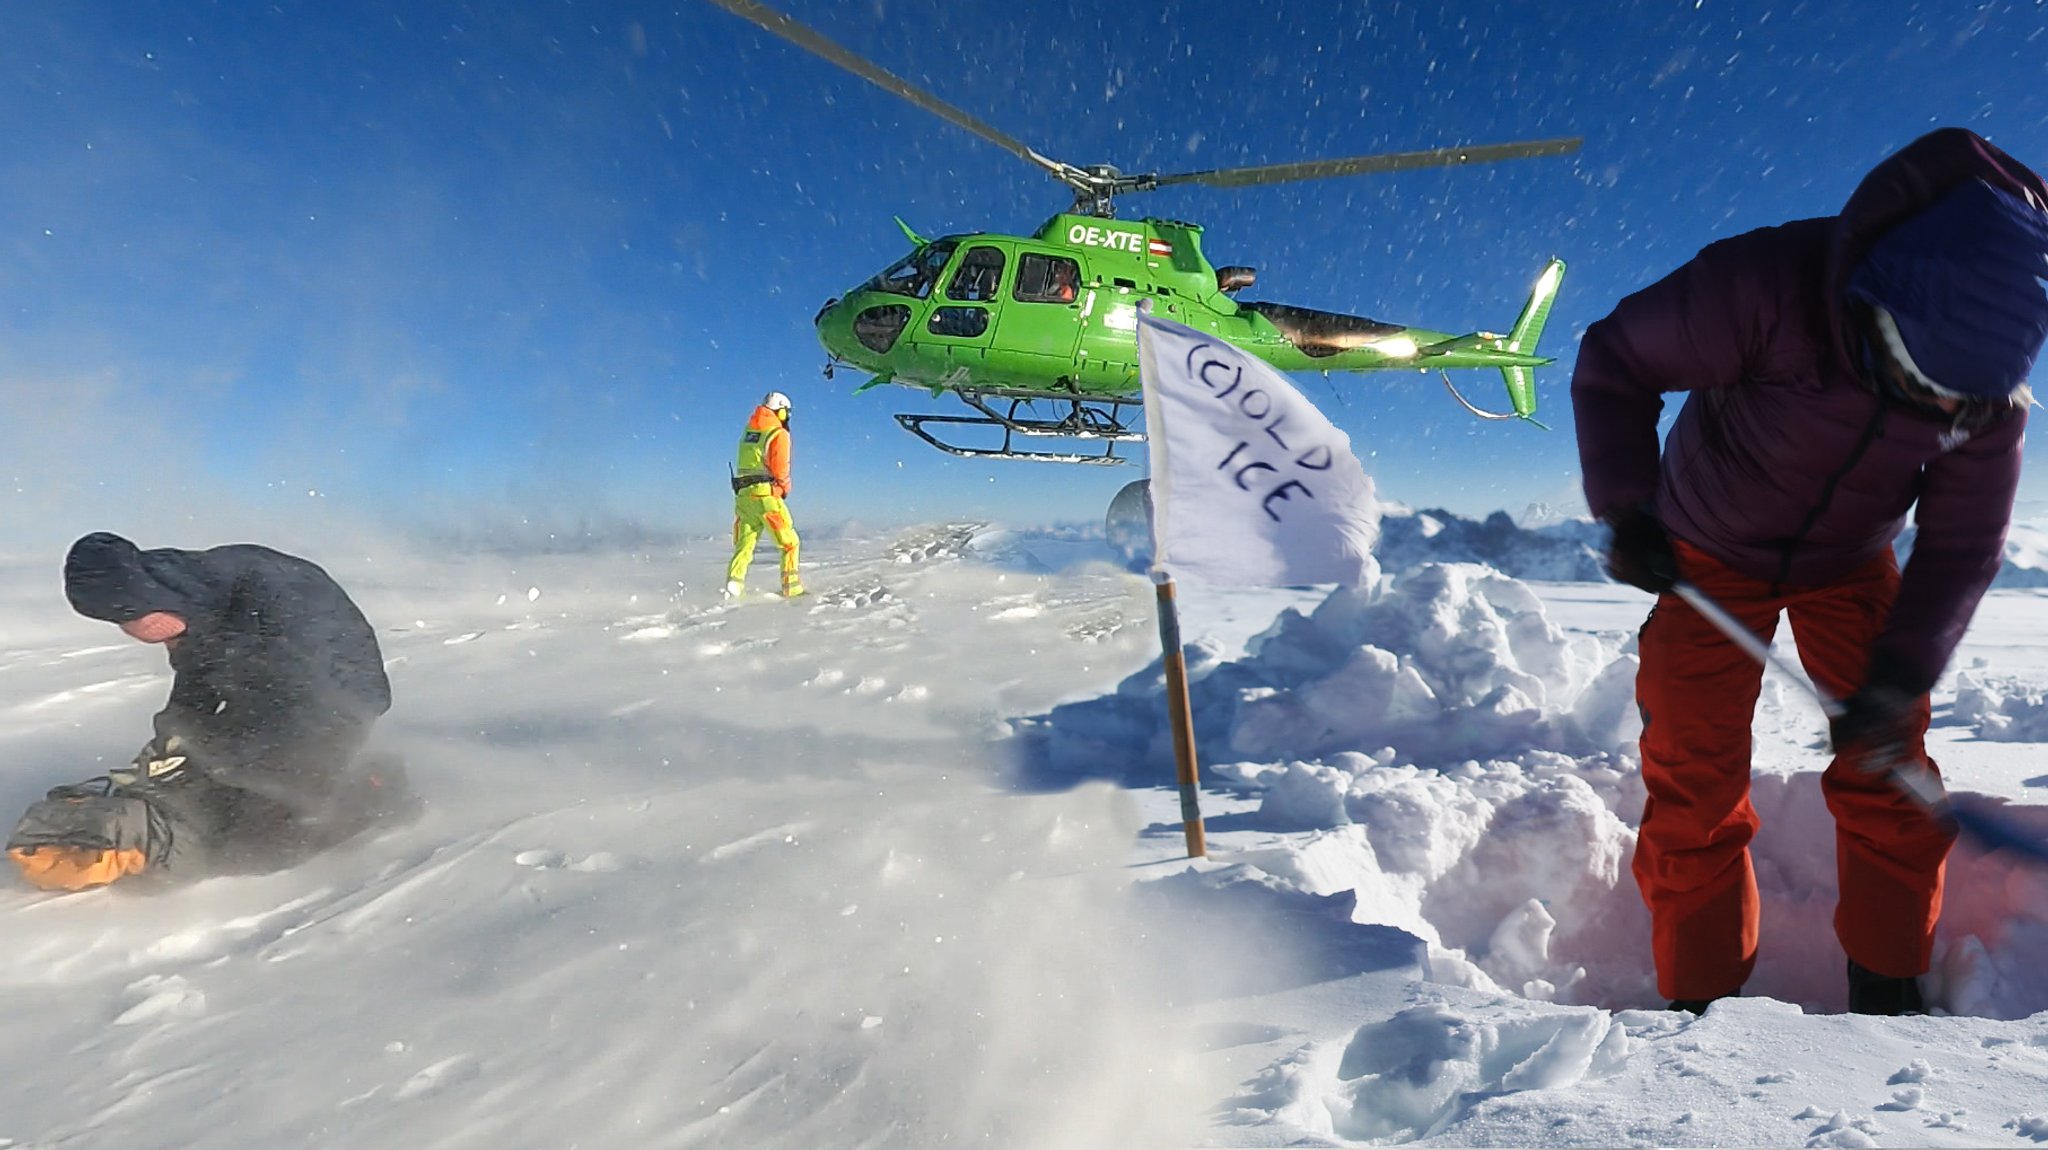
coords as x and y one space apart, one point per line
835 330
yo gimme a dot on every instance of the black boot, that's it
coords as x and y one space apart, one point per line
1699 1005
1874 993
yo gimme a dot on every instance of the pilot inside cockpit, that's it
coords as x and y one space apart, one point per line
1062 289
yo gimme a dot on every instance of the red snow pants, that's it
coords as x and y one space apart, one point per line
1698 693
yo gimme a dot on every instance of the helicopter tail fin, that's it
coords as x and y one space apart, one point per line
1528 329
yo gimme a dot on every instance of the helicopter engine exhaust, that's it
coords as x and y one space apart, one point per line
1323 333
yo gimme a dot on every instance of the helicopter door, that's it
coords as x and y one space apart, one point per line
958 331
1041 321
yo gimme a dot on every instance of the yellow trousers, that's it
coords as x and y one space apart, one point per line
751 515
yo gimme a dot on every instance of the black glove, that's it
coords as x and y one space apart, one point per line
1878 720
1640 553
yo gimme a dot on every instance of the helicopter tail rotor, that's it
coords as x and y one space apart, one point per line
1514 352
1523 337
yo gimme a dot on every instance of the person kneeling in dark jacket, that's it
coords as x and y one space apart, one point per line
257 761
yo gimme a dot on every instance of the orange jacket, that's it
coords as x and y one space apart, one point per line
776 458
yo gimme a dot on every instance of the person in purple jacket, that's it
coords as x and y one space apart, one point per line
1839 371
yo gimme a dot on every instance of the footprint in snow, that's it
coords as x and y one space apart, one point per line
160 997
788 834
601 862
439 1077
681 626
212 940
850 598
1096 630
734 646
947 542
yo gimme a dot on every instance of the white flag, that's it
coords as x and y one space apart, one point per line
1251 485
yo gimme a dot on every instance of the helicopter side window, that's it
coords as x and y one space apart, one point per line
1046 279
914 274
960 322
981 272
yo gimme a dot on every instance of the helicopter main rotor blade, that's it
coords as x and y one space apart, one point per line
1356 165
803 37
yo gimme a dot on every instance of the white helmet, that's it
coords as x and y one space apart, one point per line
775 401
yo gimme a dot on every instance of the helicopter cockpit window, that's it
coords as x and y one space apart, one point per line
877 327
914 274
981 272
1046 279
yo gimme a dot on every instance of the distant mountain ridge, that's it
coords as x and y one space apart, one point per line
1568 550
1560 551
2026 556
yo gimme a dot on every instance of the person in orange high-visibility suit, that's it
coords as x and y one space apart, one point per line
760 482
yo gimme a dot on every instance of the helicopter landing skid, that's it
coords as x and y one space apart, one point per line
1088 419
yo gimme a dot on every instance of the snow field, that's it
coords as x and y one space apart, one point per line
830 872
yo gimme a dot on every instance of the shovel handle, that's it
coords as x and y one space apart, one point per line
1751 643
1989 830
1920 784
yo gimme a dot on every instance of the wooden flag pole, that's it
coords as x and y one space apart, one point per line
1180 716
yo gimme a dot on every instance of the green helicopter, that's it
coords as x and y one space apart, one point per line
1037 334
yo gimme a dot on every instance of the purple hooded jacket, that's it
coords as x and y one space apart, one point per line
1784 463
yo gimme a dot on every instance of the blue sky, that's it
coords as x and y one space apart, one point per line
432 260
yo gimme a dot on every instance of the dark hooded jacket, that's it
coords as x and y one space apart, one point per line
1786 463
278 675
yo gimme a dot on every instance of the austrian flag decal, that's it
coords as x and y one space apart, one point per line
1159 247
